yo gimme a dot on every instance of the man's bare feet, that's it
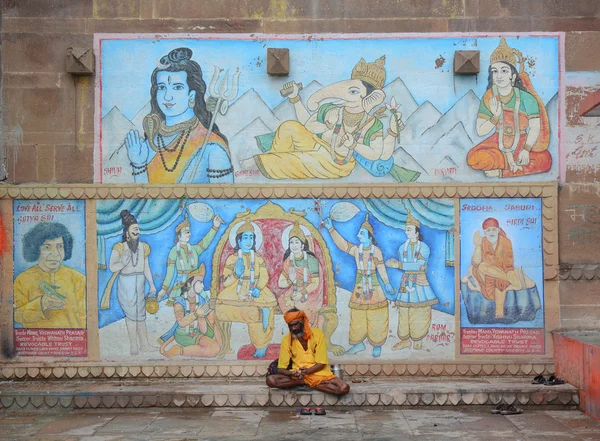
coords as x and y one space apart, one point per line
493 173
402 344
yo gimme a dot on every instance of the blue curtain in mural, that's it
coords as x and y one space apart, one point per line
153 215
433 213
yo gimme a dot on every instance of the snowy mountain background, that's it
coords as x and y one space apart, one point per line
432 143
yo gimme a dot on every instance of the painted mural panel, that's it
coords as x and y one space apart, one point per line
362 108
49 290
502 290
211 279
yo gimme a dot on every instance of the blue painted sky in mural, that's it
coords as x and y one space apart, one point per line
389 240
128 64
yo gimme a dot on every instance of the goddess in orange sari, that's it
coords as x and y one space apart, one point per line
522 130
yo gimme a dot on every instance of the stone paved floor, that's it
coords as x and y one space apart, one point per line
277 424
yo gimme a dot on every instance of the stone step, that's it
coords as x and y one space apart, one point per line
253 392
245 369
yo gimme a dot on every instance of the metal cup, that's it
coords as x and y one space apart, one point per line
337 371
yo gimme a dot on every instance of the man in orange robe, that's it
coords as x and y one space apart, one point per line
493 264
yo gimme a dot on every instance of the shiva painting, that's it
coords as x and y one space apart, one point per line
211 279
502 290
353 109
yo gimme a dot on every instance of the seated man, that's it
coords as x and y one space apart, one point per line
305 348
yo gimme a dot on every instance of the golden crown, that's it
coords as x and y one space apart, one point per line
504 53
411 220
182 225
246 228
198 272
370 73
296 231
366 225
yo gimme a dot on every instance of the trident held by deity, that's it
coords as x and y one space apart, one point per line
223 95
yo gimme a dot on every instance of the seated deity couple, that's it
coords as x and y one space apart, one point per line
303 358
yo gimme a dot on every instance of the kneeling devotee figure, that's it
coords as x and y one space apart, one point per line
305 350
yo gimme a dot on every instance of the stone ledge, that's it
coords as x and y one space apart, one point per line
545 190
254 393
109 372
580 271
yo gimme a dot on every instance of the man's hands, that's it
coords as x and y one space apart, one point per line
299 374
51 302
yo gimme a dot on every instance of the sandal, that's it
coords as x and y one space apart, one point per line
511 410
320 411
553 381
305 411
499 408
539 380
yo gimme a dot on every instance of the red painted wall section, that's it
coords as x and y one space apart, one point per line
568 359
577 360
3 238
591 379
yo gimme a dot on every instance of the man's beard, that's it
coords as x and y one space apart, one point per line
133 244
298 335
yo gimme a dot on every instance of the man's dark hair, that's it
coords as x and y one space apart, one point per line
238 237
293 310
35 238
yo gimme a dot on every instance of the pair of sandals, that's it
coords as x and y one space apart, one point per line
308 411
550 381
506 409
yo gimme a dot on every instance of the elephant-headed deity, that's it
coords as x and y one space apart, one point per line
339 126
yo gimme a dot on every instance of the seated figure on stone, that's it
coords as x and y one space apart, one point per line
303 358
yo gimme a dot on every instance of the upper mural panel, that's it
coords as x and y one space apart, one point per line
180 109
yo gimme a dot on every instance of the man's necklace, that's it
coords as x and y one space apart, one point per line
180 144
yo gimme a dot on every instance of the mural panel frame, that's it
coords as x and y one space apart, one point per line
461 365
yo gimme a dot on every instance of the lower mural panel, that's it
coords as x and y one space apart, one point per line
210 279
502 279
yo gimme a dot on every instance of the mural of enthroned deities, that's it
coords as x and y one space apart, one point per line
266 263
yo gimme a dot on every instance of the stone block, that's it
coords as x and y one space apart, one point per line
498 24
581 51
278 61
182 25
579 317
579 223
39 110
466 62
46 8
80 61
74 165
32 52
547 8
190 9
342 25
22 163
328 9
579 292
45 164
116 8
46 25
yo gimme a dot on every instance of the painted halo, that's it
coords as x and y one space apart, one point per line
285 236
258 236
